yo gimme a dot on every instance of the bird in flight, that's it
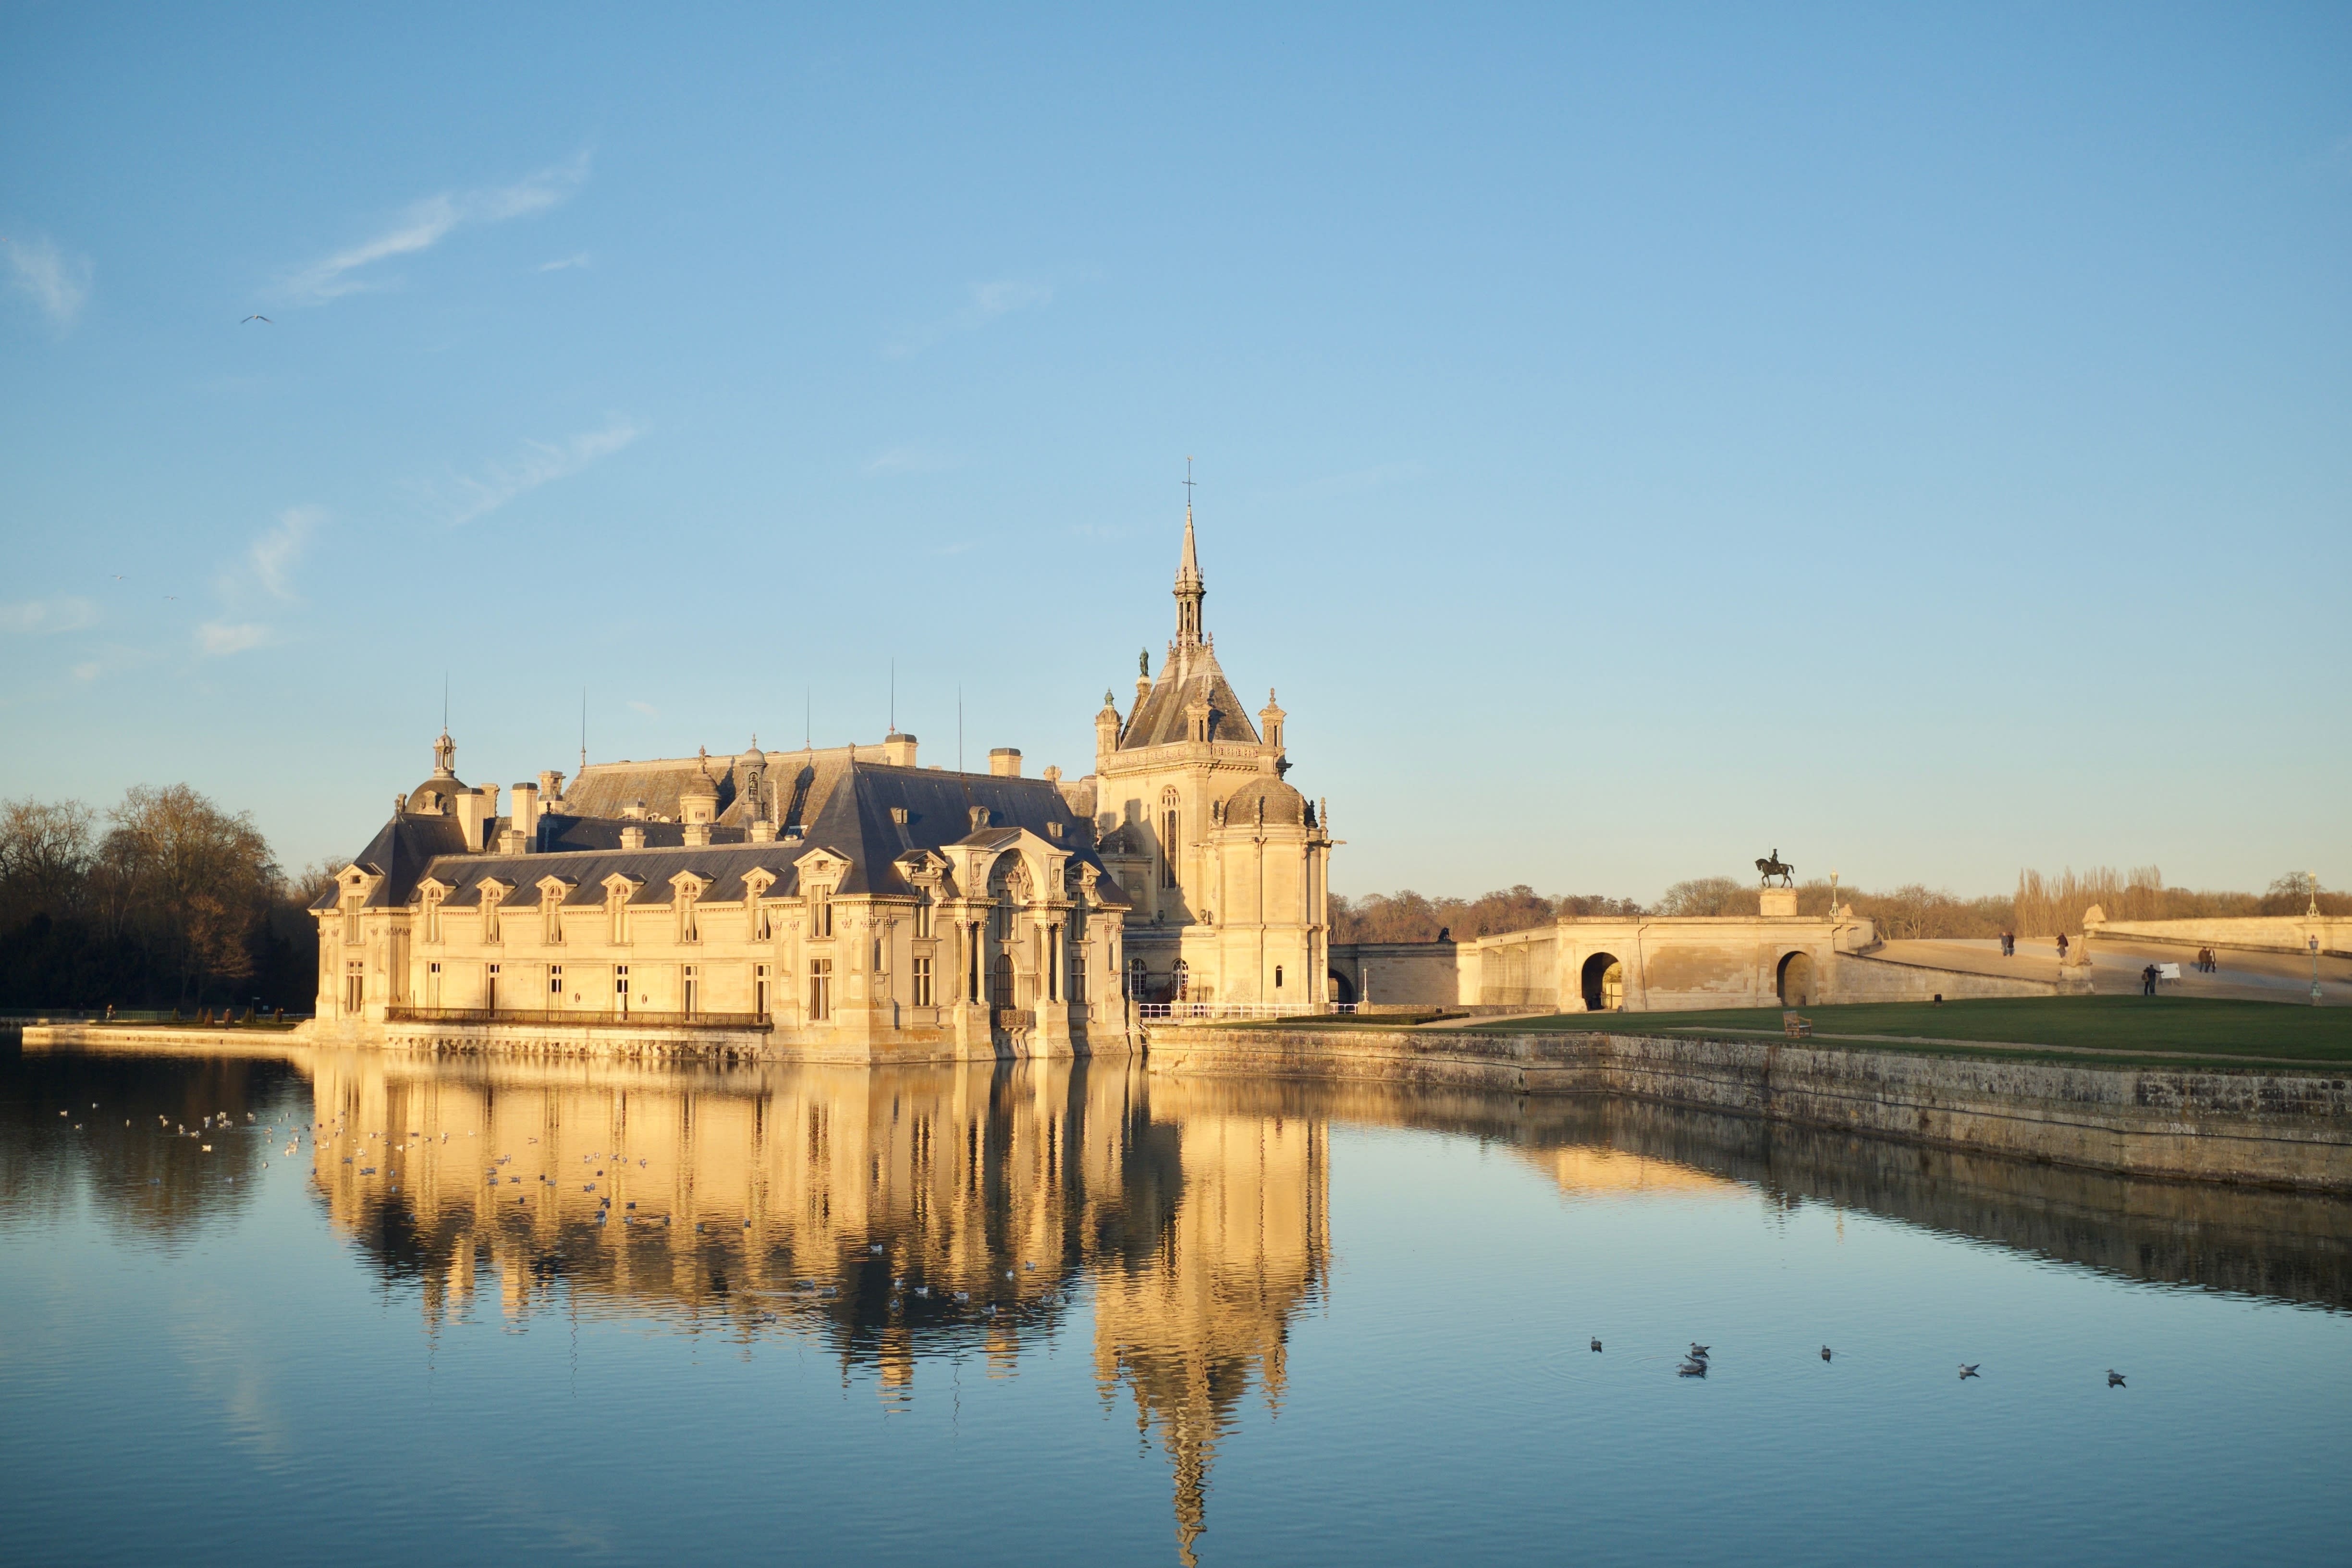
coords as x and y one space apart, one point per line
257 318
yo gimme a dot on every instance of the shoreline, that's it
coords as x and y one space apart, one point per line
2291 1131
2270 1128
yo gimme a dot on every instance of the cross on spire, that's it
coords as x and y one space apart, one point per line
1189 588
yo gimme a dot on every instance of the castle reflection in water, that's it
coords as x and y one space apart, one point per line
1183 1223
885 1213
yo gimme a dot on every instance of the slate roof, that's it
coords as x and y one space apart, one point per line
1190 672
399 853
845 807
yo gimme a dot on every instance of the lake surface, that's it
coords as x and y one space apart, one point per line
1206 1320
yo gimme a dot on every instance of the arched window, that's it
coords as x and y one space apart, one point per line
1135 973
1169 820
1183 980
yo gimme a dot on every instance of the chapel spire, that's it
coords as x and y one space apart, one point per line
1190 589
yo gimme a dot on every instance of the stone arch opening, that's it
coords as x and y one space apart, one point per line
1797 987
1342 988
1604 984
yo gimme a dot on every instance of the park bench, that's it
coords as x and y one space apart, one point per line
1796 1025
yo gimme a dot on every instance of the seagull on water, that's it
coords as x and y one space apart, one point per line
1695 1367
1596 1347
1698 1351
1968 1370
1825 1353
2115 1378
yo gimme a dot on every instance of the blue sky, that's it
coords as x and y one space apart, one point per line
1631 440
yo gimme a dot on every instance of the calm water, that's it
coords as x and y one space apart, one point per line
1234 1323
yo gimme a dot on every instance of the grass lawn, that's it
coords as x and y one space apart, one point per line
2157 1030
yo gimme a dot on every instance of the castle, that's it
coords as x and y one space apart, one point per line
847 904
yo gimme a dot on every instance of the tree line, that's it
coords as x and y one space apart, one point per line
2042 906
164 901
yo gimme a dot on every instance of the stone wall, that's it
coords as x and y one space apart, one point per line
1857 978
2287 1130
1403 973
2261 933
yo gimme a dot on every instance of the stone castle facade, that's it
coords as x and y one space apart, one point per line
847 904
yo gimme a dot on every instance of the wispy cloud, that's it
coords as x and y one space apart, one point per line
57 281
425 223
273 554
648 709
558 265
40 618
539 463
216 639
907 460
988 302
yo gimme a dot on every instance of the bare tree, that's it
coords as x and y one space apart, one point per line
187 881
45 858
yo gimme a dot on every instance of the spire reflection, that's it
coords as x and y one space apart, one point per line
885 1215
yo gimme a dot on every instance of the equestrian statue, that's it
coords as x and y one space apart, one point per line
1776 866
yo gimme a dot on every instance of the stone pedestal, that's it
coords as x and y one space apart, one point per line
1782 901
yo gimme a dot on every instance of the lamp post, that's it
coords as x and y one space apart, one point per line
2314 940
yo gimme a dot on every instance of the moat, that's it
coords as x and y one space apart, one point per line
486 1311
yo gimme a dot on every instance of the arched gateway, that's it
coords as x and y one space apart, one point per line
1604 984
1797 987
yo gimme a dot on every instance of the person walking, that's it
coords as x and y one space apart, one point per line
2147 981
2062 947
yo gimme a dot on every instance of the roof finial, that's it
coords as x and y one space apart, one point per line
1189 588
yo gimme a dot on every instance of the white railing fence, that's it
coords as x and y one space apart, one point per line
1150 1010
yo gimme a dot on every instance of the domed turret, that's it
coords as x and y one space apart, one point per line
1267 800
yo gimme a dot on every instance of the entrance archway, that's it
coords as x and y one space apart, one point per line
1604 984
1797 987
1342 988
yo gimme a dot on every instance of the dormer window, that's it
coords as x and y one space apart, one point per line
351 917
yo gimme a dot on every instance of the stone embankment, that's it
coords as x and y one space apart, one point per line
2272 1129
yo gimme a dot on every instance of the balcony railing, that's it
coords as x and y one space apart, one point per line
636 1017
1149 1010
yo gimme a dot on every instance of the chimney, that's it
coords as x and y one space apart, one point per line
1004 761
898 750
764 831
697 833
550 788
510 841
477 810
633 839
526 812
